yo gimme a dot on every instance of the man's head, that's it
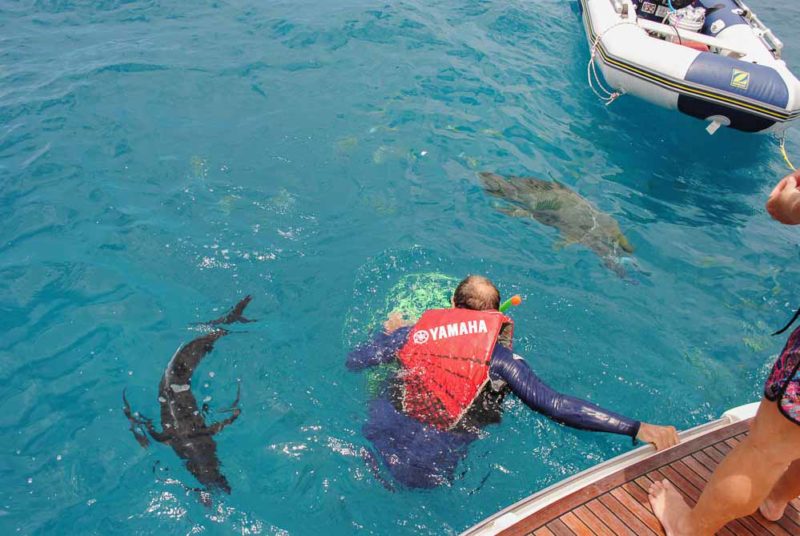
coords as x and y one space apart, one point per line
477 293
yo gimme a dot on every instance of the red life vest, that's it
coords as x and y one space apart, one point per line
446 363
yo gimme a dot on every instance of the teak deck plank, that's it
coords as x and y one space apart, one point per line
576 525
607 516
618 505
638 509
591 520
625 515
558 528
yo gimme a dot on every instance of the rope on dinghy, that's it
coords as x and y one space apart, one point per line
785 156
608 96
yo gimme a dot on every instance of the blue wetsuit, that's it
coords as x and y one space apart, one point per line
421 456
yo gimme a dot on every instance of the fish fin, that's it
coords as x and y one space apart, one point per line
235 314
613 264
217 427
547 204
235 402
140 424
560 185
136 423
140 436
625 244
161 437
533 183
558 245
514 212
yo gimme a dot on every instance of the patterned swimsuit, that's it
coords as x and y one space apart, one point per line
783 385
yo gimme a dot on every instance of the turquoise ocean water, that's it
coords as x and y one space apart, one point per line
159 160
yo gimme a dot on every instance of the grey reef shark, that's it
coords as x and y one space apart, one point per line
183 423
555 205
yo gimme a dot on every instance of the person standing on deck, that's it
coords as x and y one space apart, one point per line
763 471
456 367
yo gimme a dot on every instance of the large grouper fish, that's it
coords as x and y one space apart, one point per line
555 205
183 423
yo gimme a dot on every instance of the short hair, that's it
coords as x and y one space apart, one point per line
477 293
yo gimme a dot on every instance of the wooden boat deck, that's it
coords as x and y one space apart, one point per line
617 503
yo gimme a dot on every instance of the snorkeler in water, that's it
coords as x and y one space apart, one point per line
456 366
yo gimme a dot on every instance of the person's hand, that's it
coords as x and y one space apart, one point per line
394 322
784 201
661 437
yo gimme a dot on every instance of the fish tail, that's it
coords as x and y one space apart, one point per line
235 315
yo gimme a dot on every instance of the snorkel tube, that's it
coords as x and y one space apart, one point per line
514 300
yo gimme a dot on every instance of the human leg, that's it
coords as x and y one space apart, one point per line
739 484
416 455
786 489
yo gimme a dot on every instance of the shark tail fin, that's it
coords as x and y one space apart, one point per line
235 315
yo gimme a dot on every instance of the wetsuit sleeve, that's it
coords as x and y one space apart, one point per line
382 348
562 408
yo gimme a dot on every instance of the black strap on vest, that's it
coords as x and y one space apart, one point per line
787 326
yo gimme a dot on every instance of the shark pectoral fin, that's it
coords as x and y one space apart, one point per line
140 436
161 437
136 423
235 402
217 427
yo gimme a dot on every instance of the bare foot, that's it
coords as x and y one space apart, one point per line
772 510
669 506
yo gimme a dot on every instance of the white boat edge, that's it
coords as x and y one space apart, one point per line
518 511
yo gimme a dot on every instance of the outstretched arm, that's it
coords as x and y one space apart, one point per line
569 410
382 348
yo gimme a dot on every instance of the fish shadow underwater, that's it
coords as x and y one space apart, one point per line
577 220
183 425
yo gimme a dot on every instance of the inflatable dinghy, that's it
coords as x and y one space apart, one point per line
711 59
